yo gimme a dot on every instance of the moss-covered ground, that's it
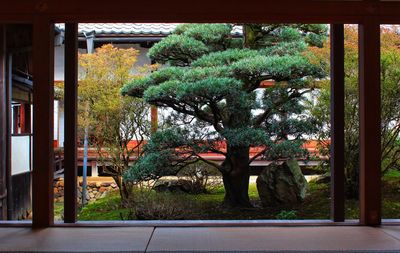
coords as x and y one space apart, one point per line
208 206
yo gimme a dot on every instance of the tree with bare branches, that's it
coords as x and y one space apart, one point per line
118 125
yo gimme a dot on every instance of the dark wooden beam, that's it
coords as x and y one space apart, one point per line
337 122
10 199
70 123
306 11
200 11
43 114
315 11
370 129
3 125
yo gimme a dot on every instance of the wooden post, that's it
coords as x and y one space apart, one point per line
43 101
153 115
370 129
154 119
3 125
10 199
70 123
337 122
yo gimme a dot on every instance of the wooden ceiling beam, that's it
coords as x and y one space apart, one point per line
305 11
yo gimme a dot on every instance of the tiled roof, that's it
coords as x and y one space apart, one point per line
140 29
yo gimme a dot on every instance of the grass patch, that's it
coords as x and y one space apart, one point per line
391 195
107 208
58 210
392 175
208 206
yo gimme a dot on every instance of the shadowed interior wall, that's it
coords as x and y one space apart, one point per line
21 195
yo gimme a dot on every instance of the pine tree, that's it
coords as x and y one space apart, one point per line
211 80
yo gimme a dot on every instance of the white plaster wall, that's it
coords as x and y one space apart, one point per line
59 63
55 120
20 149
61 125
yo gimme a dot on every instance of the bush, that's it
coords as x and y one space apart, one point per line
202 177
287 215
161 206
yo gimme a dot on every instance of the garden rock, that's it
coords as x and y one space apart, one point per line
180 185
282 184
324 179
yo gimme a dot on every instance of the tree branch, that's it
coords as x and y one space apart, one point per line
258 155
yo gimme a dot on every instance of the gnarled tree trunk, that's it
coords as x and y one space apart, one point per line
236 175
125 190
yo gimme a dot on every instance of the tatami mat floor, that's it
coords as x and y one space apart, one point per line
198 239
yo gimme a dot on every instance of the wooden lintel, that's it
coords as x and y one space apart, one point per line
300 11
